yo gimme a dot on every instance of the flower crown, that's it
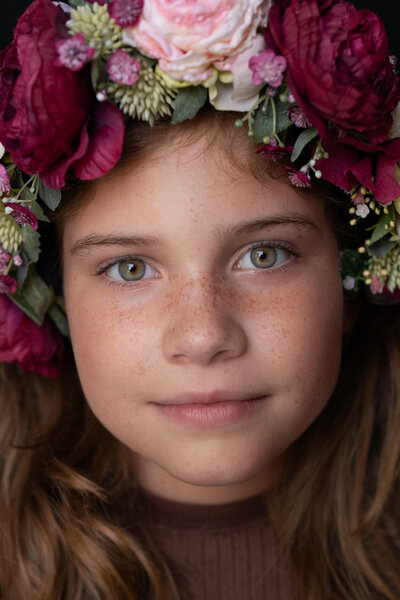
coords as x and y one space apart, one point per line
311 79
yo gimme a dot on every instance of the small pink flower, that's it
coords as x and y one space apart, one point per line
5 187
299 178
298 117
74 53
4 258
8 285
126 12
359 199
123 68
376 286
274 152
17 260
268 67
23 215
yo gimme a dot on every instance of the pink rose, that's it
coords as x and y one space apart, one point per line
189 37
23 342
49 116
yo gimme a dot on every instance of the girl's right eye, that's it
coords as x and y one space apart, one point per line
135 269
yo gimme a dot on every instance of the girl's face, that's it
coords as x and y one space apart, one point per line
184 276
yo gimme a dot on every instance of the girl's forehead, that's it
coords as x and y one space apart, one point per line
192 184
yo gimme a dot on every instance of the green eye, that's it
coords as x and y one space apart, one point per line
132 270
264 256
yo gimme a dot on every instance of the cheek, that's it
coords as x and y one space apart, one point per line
114 348
299 338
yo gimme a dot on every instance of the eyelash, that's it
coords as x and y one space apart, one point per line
123 259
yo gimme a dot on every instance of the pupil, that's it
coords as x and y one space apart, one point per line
263 258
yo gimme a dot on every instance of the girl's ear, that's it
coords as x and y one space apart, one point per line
351 309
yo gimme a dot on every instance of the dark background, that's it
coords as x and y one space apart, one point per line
388 10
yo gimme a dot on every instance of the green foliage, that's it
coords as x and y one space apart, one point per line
39 213
49 196
382 246
30 243
76 3
188 102
58 315
383 226
304 138
352 263
33 297
270 119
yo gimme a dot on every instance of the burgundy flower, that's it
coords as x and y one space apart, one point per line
274 152
8 285
126 12
23 215
338 67
74 53
123 68
48 113
374 169
23 342
298 178
4 258
5 187
298 117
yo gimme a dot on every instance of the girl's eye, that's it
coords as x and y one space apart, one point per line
264 257
130 270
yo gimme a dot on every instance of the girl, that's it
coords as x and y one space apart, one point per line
222 421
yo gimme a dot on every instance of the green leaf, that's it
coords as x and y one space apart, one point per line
383 226
59 318
95 73
263 125
188 102
33 297
76 3
282 116
304 138
381 247
22 271
30 243
49 196
352 263
38 212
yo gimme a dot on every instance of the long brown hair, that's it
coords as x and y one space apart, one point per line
71 526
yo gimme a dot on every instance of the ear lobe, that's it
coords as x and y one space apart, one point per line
351 309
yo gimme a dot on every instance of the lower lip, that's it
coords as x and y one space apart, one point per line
208 415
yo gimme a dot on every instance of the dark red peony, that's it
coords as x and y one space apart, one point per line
50 120
340 74
338 65
23 342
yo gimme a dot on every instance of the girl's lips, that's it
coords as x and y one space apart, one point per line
209 414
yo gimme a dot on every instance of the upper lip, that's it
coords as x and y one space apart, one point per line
210 397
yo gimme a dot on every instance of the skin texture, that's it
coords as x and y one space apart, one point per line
204 318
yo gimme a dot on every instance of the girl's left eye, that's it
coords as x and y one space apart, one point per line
265 256
131 270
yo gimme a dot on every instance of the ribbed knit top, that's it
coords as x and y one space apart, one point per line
219 552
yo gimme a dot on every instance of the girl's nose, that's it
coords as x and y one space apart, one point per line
203 325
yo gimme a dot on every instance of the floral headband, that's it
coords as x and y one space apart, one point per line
311 79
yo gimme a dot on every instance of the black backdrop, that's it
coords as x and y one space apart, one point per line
388 10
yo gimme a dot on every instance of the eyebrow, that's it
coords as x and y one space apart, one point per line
225 232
